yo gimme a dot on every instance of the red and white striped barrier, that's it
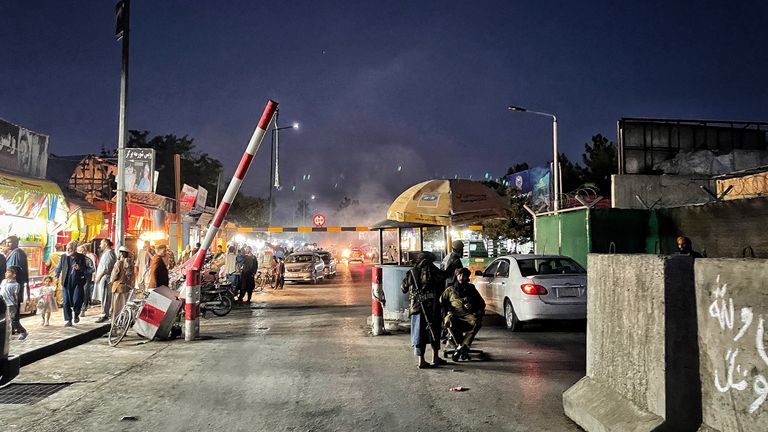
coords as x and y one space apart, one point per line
157 314
377 299
192 305
192 308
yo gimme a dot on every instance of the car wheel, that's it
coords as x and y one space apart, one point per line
510 317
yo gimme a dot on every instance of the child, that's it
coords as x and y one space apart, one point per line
9 291
47 303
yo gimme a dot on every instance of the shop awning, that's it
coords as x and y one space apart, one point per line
31 198
84 218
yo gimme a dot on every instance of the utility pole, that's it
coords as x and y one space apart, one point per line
272 167
177 174
122 12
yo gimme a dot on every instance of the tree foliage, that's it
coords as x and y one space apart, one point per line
250 211
302 212
346 203
197 168
600 160
518 225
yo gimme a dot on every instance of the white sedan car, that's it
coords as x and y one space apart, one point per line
531 287
304 267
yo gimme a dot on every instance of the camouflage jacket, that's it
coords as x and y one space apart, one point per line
424 284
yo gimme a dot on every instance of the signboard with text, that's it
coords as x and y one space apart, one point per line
139 169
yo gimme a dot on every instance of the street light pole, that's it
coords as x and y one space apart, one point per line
555 161
122 31
274 155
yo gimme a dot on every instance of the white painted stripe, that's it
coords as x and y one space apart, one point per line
255 142
232 189
209 237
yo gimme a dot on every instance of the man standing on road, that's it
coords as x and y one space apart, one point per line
452 262
142 266
103 273
18 258
90 274
121 278
424 284
71 271
158 271
250 267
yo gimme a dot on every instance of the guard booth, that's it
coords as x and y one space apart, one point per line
399 244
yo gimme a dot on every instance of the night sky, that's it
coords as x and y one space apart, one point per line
378 85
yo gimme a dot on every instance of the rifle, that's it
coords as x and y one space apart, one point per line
420 296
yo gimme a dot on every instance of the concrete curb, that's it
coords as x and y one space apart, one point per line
63 345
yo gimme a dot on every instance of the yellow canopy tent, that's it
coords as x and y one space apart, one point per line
448 202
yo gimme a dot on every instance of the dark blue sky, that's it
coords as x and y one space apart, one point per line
377 85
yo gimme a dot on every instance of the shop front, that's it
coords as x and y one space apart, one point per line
35 211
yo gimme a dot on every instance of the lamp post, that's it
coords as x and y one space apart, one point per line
121 32
555 163
274 180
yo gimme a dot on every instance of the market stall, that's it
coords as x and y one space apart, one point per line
35 211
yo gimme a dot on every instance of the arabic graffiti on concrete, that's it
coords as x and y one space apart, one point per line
735 375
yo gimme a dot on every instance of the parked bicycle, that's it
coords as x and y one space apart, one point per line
127 316
265 278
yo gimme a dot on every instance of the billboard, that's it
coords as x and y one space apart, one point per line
202 196
645 144
139 169
534 181
187 198
22 150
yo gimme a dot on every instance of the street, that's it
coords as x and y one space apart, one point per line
302 359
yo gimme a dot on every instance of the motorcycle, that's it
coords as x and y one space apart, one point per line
216 297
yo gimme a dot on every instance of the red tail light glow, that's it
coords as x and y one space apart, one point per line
533 289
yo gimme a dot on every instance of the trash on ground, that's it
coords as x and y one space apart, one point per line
128 418
458 389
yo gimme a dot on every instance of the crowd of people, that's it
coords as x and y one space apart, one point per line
241 267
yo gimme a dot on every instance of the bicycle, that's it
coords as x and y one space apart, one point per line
127 317
264 278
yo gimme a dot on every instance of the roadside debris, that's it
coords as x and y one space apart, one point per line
458 389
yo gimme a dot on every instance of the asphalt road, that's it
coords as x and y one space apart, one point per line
302 359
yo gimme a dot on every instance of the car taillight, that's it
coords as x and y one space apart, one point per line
533 289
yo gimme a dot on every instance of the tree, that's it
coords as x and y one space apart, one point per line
250 211
346 203
600 162
518 226
517 168
302 211
197 168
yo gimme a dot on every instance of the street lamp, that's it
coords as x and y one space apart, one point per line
274 174
555 162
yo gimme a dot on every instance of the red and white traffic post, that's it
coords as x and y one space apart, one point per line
192 306
377 301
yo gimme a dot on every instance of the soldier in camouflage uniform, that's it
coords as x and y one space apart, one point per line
463 310
424 284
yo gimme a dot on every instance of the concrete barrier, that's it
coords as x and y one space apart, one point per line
642 362
732 306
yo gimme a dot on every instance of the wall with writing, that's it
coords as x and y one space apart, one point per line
732 309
